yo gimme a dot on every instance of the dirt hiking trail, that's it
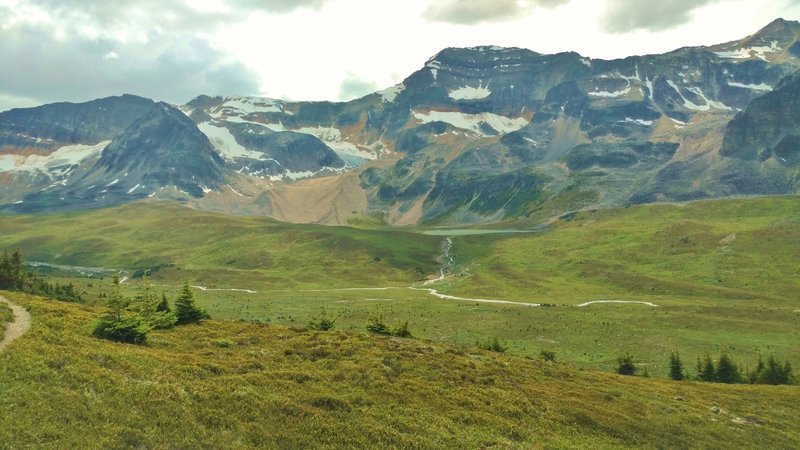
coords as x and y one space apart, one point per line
21 324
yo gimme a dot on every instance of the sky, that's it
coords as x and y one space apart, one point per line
175 50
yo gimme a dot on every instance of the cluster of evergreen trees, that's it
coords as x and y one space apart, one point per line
727 371
724 371
130 319
14 277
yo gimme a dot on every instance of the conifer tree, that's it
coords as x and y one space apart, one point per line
625 365
676 367
163 305
727 372
705 369
185 308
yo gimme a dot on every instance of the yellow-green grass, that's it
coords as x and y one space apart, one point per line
217 249
241 385
6 316
715 292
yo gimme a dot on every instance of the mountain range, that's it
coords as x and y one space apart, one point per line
476 135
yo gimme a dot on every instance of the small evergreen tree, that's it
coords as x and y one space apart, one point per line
119 324
16 269
727 372
774 373
625 365
676 367
185 308
150 308
705 369
163 305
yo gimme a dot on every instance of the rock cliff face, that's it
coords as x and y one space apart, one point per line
475 135
769 128
49 127
161 150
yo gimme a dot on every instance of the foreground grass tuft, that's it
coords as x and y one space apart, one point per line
241 385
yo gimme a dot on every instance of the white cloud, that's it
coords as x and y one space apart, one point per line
622 16
355 87
320 49
467 12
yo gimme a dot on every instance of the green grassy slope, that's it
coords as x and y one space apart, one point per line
238 385
724 274
217 249
6 315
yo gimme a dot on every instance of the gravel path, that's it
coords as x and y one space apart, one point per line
21 324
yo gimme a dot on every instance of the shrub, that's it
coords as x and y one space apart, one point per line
129 329
224 343
547 355
492 344
377 324
401 330
625 365
321 324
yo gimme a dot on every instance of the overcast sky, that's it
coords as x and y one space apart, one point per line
174 50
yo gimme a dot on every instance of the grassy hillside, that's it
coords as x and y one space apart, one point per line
239 385
216 249
723 274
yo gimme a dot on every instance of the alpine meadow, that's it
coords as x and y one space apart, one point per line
504 249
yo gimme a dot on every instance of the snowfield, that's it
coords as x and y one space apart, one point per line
472 122
470 93
57 163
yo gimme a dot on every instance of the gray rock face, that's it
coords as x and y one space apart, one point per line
51 126
162 149
768 127
251 135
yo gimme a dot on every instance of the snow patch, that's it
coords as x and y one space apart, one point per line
60 162
294 176
113 183
747 53
434 67
226 144
690 105
470 93
649 84
473 122
755 87
390 94
133 189
608 94
332 137
646 123
241 106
